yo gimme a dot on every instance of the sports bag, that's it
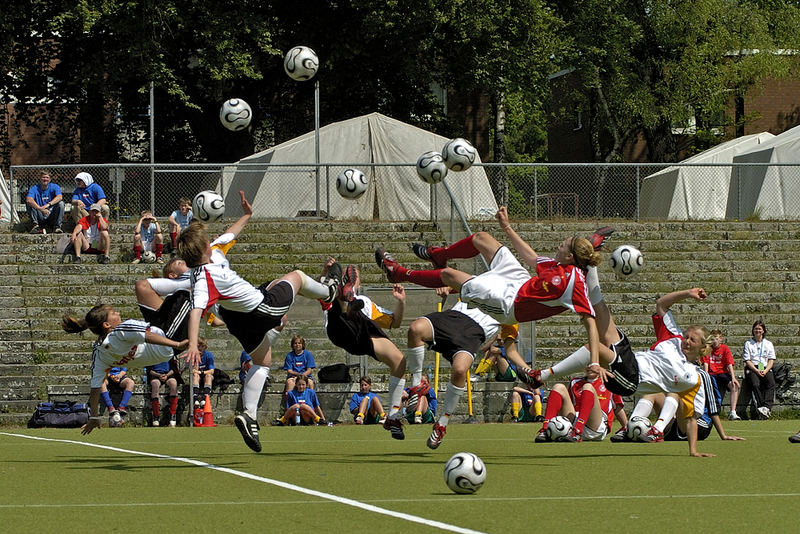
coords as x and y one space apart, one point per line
338 373
59 415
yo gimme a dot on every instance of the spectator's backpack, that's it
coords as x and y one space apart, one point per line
59 415
338 373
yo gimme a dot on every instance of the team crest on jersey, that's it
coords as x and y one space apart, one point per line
556 280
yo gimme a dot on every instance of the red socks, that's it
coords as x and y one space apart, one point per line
460 249
173 405
173 236
554 402
156 409
138 251
432 278
159 250
587 403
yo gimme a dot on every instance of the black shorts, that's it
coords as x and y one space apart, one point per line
673 433
455 332
353 331
624 367
172 316
251 327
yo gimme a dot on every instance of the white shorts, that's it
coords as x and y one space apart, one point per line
494 291
595 435
664 371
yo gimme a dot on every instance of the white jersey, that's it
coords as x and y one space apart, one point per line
125 347
664 367
216 283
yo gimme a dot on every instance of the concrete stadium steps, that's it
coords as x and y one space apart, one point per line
750 269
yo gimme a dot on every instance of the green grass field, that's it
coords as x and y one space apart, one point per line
314 479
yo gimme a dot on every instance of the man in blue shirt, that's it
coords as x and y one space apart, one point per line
85 194
44 205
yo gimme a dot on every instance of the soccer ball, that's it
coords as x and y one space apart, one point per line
459 154
208 206
638 426
626 260
235 114
558 427
431 167
148 256
301 63
464 473
351 183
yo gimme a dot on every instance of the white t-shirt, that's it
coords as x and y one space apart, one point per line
125 347
758 353
664 367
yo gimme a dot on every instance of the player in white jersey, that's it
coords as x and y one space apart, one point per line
119 343
459 334
250 313
666 366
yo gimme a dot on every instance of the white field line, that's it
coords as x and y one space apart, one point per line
278 483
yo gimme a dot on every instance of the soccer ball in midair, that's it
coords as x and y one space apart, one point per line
464 472
148 256
301 63
558 427
459 154
208 206
235 114
638 426
626 260
351 183
431 167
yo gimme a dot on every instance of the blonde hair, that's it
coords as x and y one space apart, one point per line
93 320
706 336
584 253
192 244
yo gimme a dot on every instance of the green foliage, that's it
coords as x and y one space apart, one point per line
41 356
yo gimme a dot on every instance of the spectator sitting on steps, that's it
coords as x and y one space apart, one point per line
90 235
87 193
44 206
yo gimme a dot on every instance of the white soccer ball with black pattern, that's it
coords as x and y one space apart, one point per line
459 154
626 260
208 206
301 63
464 472
431 168
148 256
558 427
638 426
235 114
351 183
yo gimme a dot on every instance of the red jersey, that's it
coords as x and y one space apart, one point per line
603 396
555 288
719 360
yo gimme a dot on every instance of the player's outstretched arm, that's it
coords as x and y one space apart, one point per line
94 417
399 293
524 250
663 304
239 225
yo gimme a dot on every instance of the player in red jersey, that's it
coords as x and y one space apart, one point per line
507 292
587 403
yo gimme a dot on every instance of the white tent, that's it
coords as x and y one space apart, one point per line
281 181
696 192
7 212
771 191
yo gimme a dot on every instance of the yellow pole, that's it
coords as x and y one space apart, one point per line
469 394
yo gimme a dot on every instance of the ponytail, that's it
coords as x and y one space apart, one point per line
93 321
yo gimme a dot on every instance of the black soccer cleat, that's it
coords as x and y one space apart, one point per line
423 252
387 262
249 429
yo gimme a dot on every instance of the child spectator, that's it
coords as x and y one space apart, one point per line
164 373
87 193
365 406
420 408
116 381
719 365
245 363
298 362
147 237
302 406
526 404
179 220
205 369
90 235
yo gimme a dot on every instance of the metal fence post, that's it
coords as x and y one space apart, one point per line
637 193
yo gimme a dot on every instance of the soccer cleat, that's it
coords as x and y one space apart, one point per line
155 422
621 436
420 389
538 419
173 420
333 290
76 260
733 416
572 437
541 437
653 436
276 422
387 262
382 420
333 272
417 419
436 437
37 229
249 429
104 260
532 377
160 260
600 236
359 420
764 412
423 253
395 426
795 438
347 291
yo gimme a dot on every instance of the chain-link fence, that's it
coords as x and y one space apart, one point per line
531 191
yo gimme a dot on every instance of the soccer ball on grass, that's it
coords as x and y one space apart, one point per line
208 206
464 472
559 427
638 426
148 256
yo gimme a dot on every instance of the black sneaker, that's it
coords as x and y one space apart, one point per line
621 436
423 252
347 291
104 260
395 426
541 437
277 422
249 429
795 438
76 259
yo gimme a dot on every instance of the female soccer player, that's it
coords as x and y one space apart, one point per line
119 343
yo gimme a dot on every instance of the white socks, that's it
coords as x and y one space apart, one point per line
310 288
642 408
252 388
668 412
396 386
451 399
414 359
574 363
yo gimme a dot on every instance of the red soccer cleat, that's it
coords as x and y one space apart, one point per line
599 237
436 437
387 262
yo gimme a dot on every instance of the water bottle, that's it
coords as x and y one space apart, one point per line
430 373
297 416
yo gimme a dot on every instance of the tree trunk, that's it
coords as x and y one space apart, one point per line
500 180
